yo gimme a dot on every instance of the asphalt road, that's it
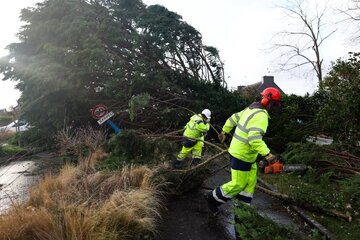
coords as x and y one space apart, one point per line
187 216
17 177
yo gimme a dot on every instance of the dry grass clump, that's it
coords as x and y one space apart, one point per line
141 209
74 142
6 135
24 223
83 204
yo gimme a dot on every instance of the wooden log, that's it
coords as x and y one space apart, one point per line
301 213
275 194
267 185
339 214
313 222
201 164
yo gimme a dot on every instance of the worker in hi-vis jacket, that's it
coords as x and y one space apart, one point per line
193 138
247 142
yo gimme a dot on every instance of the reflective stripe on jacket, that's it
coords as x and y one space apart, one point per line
251 124
196 128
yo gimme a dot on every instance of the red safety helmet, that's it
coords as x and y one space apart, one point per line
270 94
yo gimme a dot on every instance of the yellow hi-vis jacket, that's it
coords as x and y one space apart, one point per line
196 128
251 124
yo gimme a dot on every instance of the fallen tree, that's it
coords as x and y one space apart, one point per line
287 199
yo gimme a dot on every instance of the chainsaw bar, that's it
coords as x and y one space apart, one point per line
294 167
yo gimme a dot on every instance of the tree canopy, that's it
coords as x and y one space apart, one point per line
340 114
74 54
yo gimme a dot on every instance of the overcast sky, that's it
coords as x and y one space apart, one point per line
240 29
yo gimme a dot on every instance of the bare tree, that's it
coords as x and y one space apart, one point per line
300 44
352 16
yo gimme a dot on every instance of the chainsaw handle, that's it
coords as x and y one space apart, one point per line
273 166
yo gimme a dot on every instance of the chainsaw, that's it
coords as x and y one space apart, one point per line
277 165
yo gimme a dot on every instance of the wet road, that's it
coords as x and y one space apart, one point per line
17 177
264 204
187 216
15 180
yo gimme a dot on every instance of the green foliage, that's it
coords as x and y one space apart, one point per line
321 193
319 190
128 148
351 192
341 229
315 234
138 103
318 187
340 114
309 153
250 225
74 54
221 102
295 122
306 153
309 190
185 55
5 120
9 149
35 138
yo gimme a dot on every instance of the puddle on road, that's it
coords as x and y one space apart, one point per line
15 183
17 177
11 172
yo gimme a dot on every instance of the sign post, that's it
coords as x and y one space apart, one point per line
101 113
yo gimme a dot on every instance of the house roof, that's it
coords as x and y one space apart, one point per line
3 111
256 88
268 81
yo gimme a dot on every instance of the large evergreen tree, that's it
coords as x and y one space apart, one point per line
73 54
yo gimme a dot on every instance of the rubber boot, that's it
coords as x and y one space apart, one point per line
177 164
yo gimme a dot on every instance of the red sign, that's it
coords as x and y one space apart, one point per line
99 111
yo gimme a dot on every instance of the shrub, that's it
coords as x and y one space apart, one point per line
6 136
129 148
5 120
295 122
8 150
305 153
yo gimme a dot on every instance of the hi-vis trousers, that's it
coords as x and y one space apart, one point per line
193 147
242 184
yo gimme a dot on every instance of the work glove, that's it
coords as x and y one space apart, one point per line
270 157
222 137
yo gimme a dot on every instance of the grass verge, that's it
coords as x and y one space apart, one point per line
81 203
9 150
